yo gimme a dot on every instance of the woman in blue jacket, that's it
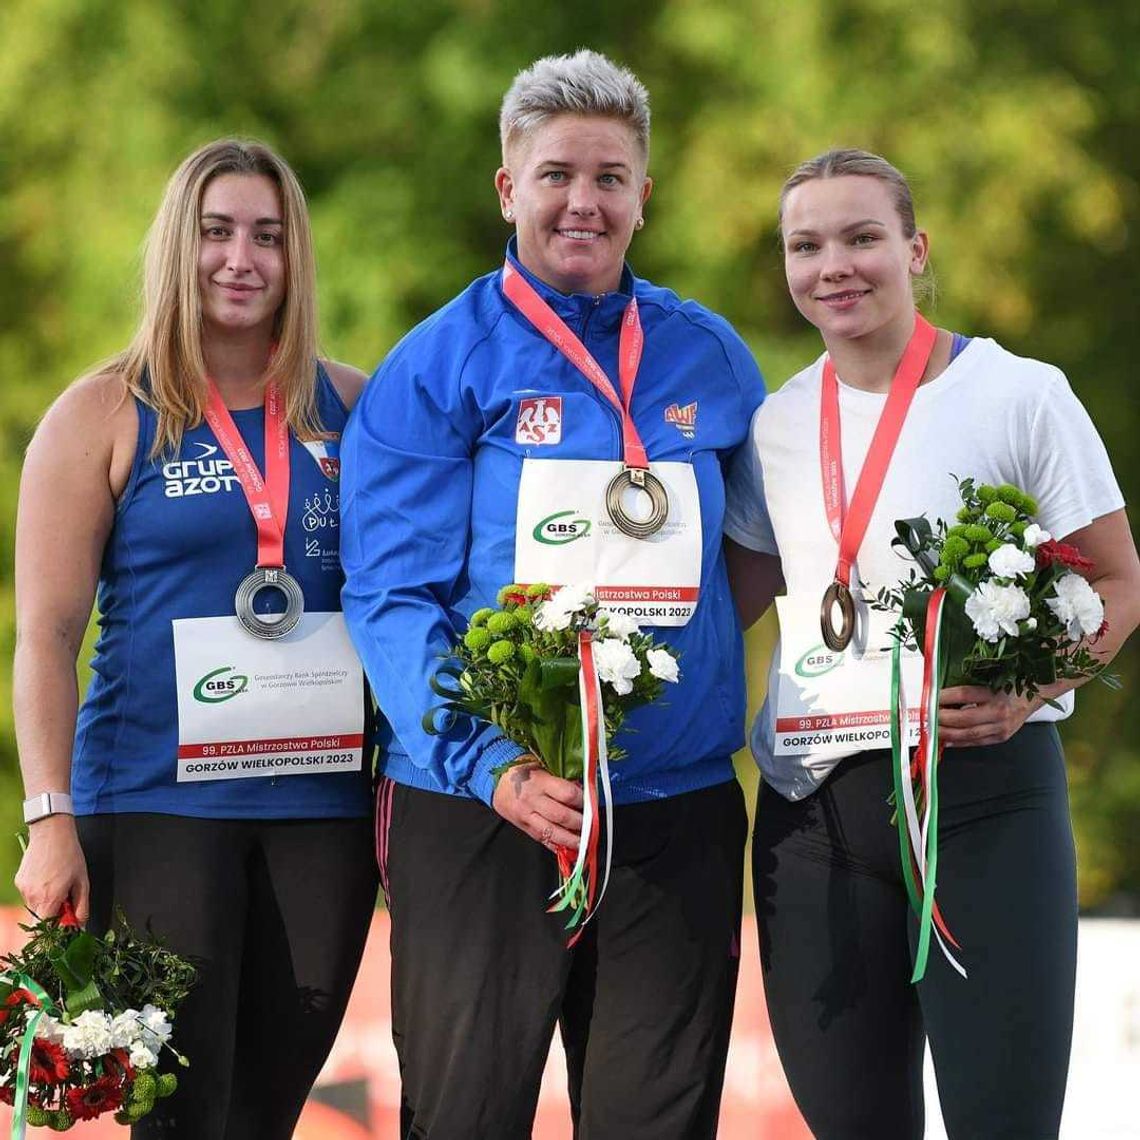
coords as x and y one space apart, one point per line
487 421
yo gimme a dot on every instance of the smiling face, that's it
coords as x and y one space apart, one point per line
847 259
575 187
241 255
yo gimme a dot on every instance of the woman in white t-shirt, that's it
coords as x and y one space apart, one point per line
836 934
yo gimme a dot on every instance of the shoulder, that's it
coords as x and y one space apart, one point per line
97 411
92 426
704 332
796 398
347 381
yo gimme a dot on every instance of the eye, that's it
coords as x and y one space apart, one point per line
558 176
804 246
609 180
864 239
215 232
268 238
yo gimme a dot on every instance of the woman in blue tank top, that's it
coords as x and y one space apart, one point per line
216 782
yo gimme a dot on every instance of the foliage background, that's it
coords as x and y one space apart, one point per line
1016 120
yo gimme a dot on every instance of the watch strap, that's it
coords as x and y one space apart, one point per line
47 803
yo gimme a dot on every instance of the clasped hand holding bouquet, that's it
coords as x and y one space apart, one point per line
558 673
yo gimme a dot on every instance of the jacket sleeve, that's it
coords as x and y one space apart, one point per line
406 483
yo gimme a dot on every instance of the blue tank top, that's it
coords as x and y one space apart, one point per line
182 540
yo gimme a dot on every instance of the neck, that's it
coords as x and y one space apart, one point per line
236 362
869 363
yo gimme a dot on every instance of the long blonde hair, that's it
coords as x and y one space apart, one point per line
164 365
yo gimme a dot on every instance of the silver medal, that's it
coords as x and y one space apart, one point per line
272 626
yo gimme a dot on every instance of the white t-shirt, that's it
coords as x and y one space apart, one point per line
990 415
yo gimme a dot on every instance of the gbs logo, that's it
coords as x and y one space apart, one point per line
560 528
220 685
815 662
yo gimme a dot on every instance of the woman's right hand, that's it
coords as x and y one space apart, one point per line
546 807
53 869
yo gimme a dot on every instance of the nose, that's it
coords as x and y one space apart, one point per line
583 197
239 253
835 262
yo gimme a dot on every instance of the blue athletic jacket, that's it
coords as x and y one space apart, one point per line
430 474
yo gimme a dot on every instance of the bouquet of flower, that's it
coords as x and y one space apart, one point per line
83 1022
1021 617
995 602
557 673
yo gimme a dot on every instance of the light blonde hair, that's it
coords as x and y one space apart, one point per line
164 366
585 83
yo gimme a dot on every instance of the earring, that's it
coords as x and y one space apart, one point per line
639 223
508 215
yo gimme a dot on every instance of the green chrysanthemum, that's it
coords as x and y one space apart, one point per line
144 1088
968 514
61 1120
1018 528
502 622
478 638
538 590
1028 504
1001 512
953 550
167 1083
975 561
527 653
986 493
977 533
500 651
38 1117
479 617
1012 495
942 573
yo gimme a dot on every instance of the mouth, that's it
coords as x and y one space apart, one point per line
232 289
580 235
842 299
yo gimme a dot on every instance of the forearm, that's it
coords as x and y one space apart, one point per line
45 702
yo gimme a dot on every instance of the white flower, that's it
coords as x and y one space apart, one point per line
617 664
563 604
663 665
617 625
48 1029
142 1056
1035 536
1030 624
1010 562
89 1035
157 1022
126 1028
1077 606
997 609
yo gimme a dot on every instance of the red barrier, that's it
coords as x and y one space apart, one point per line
358 1093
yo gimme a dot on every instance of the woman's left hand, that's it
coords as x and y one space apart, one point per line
971 715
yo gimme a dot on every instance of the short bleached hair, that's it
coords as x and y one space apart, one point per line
585 83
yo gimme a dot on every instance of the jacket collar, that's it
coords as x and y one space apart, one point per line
606 308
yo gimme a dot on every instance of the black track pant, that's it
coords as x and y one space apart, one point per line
275 914
480 973
837 937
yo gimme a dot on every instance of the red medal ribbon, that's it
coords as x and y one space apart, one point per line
268 497
849 524
523 296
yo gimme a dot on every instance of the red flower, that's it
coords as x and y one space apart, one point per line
1052 552
118 1065
67 917
8 1093
518 599
49 1063
103 1095
15 998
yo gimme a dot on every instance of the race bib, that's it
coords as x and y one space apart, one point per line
254 707
836 703
564 534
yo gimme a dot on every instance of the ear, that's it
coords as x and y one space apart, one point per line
505 188
919 252
646 190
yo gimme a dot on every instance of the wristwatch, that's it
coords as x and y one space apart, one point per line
47 803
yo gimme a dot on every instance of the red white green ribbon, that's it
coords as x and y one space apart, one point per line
42 1004
579 890
918 823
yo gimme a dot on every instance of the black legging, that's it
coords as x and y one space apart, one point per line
275 914
836 944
